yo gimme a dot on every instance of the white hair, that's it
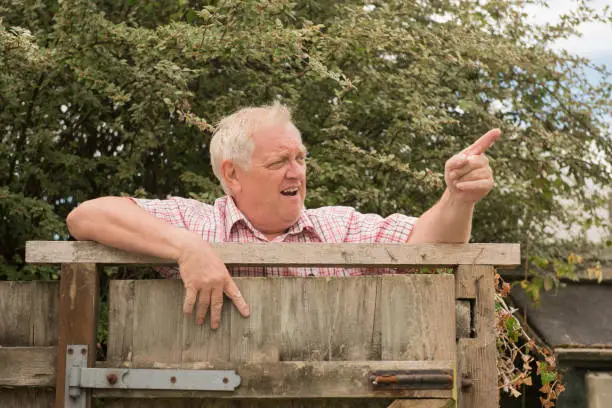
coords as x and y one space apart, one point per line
232 139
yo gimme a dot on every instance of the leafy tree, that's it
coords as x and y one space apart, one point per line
118 97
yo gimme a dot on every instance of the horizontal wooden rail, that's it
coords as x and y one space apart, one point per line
35 367
27 366
295 379
291 254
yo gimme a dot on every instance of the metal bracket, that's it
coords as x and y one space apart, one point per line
80 377
412 379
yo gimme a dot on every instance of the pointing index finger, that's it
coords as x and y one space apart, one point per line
482 144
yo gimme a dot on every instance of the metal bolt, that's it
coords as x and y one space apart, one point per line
173 380
112 379
466 382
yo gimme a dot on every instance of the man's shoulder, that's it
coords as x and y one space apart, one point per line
335 211
330 216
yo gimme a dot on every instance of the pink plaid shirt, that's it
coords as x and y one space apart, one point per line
224 222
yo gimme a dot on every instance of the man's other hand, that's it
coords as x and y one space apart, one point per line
206 279
468 175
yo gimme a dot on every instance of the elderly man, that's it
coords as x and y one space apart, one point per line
258 156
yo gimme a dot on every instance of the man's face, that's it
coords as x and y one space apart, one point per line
271 192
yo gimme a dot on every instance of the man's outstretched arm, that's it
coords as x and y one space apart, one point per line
468 178
120 223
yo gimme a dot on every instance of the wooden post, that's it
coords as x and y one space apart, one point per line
476 356
78 309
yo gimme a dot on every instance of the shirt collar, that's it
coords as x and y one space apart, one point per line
234 215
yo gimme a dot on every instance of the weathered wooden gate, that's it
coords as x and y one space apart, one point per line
426 340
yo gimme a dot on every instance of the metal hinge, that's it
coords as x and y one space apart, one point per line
80 377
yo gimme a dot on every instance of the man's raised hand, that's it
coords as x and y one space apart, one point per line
206 279
468 175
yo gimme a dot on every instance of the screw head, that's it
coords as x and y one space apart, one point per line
70 351
225 380
83 351
173 380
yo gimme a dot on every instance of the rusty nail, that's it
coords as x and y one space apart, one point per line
173 380
225 380
83 351
70 351
112 379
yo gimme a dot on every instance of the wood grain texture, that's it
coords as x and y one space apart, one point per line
78 308
291 254
464 282
122 295
258 337
15 304
27 366
157 332
27 398
28 318
296 325
476 357
418 317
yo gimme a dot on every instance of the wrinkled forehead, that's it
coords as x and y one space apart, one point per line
274 137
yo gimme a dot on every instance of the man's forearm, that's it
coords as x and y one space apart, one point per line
448 221
120 223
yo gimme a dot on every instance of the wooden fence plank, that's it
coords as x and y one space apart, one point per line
200 342
15 321
304 320
353 333
476 356
418 317
291 254
27 366
258 337
28 318
44 313
27 398
330 319
122 294
158 317
78 310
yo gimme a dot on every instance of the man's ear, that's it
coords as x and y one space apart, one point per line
229 171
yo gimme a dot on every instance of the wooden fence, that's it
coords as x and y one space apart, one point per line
308 341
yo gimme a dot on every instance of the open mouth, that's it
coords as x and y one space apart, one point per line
290 192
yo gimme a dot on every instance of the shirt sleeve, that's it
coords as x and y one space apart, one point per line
172 211
168 210
372 228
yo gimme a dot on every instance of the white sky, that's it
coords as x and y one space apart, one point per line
596 40
595 44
